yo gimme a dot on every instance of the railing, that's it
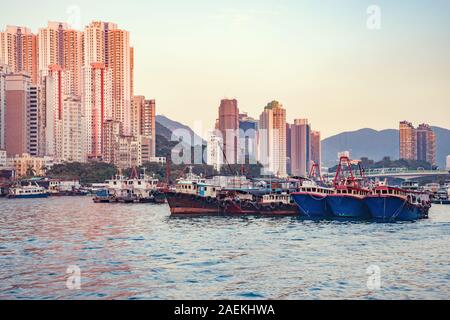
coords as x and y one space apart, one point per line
395 171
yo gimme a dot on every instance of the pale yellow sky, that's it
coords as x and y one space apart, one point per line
316 57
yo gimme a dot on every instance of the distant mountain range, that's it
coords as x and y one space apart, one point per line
377 144
165 127
369 143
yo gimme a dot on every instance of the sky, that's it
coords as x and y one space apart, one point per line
318 58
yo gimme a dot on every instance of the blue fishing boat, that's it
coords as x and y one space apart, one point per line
311 199
395 204
347 201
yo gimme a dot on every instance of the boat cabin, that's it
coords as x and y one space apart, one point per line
283 198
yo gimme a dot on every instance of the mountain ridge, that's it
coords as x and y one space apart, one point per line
366 142
376 144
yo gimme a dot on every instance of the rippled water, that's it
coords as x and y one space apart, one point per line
139 252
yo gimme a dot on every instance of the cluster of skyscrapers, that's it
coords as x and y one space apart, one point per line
282 148
417 143
69 95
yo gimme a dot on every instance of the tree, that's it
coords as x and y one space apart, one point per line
30 171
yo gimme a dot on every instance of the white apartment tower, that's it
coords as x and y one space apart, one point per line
57 88
73 131
272 139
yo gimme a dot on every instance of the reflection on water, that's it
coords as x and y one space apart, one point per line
139 252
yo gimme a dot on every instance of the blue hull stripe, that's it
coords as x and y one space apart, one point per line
31 196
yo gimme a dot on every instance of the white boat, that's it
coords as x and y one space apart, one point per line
30 191
130 190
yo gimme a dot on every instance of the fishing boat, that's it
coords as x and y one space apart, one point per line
347 200
442 196
388 203
29 191
311 197
195 195
135 189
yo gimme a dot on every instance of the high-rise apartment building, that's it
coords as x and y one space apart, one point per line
228 125
408 141
128 153
33 120
73 59
19 50
97 102
120 64
248 139
417 144
148 128
214 149
272 139
136 110
111 135
4 70
51 46
96 42
288 148
57 88
93 69
143 125
19 122
300 147
105 43
316 148
426 144
61 46
73 127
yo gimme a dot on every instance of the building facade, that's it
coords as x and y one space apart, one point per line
73 127
426 144
97 103
300 147
408 141
3 158
214 149
316 148
94 69
51 46
417 143
228 125
148 126
19 50
26 165
4 70
57 88
16 118
248 127
272 139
